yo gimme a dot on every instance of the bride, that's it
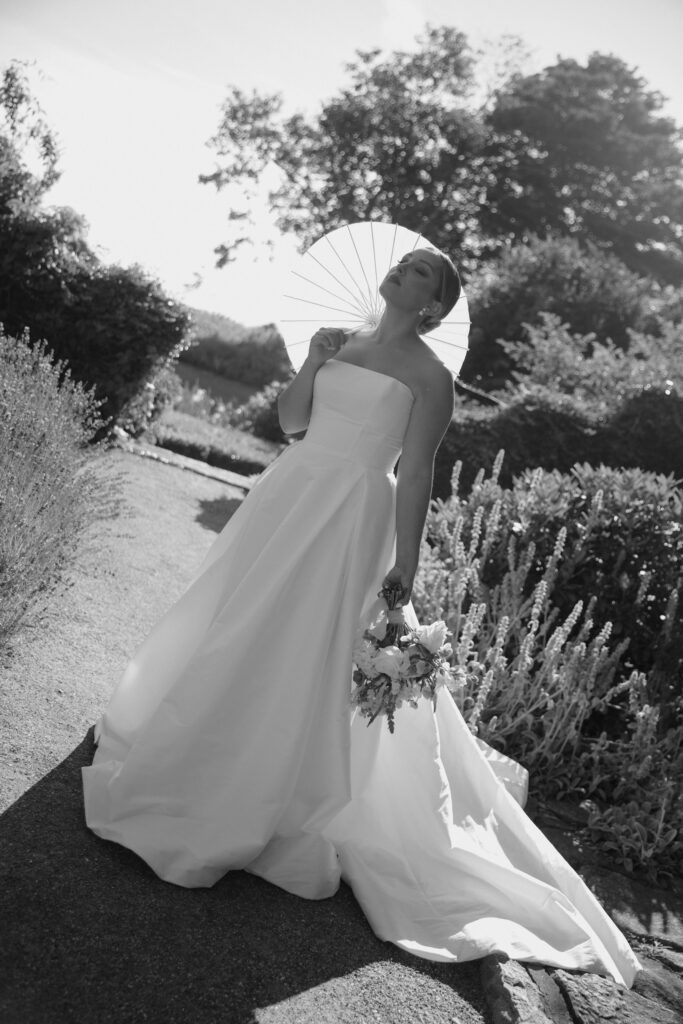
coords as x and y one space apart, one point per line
229 742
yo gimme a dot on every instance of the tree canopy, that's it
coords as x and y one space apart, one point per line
399 143
574 150
28 147
580 151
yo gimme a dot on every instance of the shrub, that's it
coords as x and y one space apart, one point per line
163 391
623 543
592 291
553 359
665 309
119 330
115 326
49 493
258 414
540 428
540 673
646 430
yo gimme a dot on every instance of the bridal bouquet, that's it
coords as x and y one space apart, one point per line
400 665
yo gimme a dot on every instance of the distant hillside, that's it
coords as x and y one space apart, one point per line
216 325
252 355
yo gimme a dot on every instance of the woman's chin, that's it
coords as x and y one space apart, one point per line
388 290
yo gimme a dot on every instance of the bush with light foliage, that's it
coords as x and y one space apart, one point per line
50 491
539 594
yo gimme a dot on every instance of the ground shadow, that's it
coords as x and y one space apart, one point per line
214 514
636 905
91 934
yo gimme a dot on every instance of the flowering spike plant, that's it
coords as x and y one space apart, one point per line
396 665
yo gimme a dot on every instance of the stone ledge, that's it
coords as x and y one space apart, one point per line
519 993
596 1000
657 981
512 994
169 458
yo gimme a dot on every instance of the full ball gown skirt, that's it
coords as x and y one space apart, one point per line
230 742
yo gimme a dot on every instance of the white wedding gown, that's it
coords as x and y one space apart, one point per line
230 743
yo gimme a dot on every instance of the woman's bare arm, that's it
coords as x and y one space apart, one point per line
432 412
294 402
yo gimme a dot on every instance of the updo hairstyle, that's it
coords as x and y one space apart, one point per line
448 293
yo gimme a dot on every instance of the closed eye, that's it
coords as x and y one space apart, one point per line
420 270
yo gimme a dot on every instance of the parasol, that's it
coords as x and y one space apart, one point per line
335 284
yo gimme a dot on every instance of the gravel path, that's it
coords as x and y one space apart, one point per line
91 935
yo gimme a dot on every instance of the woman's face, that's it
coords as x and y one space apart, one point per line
414 281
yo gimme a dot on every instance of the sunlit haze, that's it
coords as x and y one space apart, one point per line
133 91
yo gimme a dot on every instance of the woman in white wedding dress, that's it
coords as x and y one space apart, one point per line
230 741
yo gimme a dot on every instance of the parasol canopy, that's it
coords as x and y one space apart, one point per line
335 283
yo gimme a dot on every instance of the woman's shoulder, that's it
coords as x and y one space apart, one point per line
432 374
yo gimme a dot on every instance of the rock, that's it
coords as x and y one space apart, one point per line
656 982
596 1000
512 994
554 1003
671 958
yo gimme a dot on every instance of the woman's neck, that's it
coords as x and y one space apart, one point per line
396 329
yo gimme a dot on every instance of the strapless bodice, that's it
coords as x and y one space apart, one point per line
359 414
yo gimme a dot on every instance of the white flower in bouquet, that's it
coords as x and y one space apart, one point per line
392 661
432 636
390 672
364 653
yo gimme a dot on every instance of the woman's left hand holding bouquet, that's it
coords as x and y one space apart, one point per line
401 580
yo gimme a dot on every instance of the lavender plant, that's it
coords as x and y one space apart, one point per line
539 680
49 490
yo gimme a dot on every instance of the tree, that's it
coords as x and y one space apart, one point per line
590 290
115 326
576 151
400 143
580 151
25 138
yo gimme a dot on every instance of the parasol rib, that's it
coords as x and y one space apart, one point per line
361 298
315 284
358 304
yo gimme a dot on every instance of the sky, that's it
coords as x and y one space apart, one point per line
133 90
